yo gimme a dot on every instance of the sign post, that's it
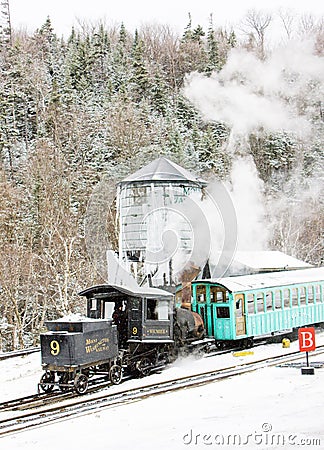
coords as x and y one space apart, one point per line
306 338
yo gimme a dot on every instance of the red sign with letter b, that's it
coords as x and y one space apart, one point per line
306 337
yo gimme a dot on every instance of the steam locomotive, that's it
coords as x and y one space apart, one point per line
125 332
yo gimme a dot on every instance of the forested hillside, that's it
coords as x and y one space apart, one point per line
102 103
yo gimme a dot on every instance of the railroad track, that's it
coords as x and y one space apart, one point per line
82 405
217 352
32 401
42 399
23 352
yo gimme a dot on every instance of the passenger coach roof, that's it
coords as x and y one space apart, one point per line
264 280
138 292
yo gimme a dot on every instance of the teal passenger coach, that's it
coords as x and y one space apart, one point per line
248 306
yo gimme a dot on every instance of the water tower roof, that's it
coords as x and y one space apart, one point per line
162 170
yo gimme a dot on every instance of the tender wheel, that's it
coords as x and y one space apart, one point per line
144 367
47 377
81 383
115 374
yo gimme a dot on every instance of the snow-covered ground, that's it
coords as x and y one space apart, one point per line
271 408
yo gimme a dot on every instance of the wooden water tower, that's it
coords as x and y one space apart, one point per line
148 218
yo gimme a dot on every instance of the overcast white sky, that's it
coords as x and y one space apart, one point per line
31 14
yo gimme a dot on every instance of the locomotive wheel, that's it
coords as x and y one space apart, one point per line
247 343
115 374
47 377
144 367
64 379
81 383
220 345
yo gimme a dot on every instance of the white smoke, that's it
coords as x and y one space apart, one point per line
247 195
243 109
249 94
279 94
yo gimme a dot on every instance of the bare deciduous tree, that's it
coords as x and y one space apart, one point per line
287 20
256 23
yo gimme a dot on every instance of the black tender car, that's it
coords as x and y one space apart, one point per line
71 350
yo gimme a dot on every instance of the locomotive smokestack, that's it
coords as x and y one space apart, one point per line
188 274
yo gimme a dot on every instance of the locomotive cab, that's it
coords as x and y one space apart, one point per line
143 315
150 319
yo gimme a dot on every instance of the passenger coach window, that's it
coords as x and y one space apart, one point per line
286 297
250 303
201 293
310 292
218 295
318 293
222 312
277 299
302 295
269 300
260 302
294 296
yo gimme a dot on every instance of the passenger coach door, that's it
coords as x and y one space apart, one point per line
239 315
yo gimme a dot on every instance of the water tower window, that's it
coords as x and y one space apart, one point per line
138 195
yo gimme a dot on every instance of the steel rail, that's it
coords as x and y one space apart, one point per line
15 353
82 406
41 399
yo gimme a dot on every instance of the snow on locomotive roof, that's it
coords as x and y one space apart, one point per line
271 279
136 292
